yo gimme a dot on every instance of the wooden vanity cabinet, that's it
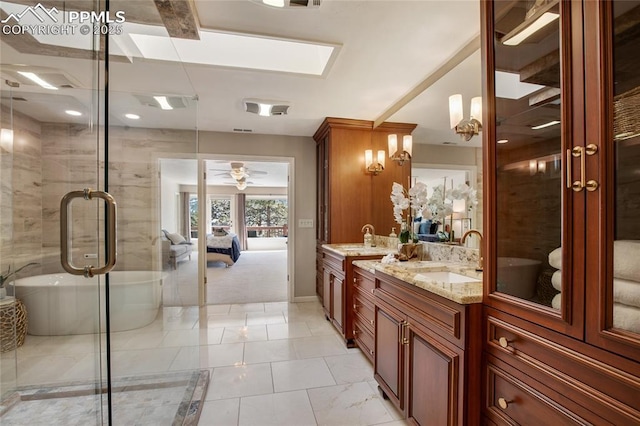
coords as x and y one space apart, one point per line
363 311
427 353
338 295
572 357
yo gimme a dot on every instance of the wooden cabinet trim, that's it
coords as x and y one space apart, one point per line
430 309
569 372
548 405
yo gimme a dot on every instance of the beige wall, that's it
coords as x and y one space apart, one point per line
303 150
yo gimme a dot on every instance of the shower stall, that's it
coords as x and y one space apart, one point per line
85 337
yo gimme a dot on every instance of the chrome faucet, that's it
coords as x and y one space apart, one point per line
480 266
373 233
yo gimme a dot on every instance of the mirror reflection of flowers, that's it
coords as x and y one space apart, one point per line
414 201
440 204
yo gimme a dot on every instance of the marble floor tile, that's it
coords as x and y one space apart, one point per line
280 307
223 412
320 327
288 330
265 318
181 338
230 320
269 351
277 409
211 335
391 409
221 355
247 307
247 333
242 380
315 346
217 309
350 404
301 374
350 368
136 362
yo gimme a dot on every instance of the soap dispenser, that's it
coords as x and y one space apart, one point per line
368 239
368 236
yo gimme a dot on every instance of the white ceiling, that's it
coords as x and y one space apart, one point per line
387 49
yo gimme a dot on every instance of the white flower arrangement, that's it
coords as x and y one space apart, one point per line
415 200
440 204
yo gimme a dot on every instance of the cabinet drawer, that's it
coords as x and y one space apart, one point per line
364 311
363 338
363 283
335 262
605 390
511 401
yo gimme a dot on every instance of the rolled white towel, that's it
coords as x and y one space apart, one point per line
556 302
556 280
555 258
627 292
626 259
626 317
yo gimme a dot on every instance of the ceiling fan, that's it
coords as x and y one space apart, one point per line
238 170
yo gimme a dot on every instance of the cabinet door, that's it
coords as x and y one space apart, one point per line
337 296
326 291
534 93
613 207
388 364
433 375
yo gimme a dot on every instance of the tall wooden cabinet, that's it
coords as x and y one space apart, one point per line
348 196
562 184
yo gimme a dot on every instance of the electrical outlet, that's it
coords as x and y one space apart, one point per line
305 223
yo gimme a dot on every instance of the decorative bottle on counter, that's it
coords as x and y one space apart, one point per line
368 239
393 233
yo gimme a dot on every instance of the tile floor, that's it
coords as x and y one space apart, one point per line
270 364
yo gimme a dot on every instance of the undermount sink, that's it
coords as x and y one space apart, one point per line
445 277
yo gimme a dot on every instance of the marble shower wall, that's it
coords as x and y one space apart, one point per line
51 159
133 181
21 195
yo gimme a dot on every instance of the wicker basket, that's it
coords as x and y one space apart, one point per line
13 324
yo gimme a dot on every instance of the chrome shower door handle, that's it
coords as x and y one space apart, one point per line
110 218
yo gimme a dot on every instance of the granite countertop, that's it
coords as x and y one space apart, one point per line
358 249
463 292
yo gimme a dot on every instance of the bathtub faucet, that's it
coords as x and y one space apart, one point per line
480 266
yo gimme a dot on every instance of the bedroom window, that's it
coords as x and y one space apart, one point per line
221 212
266 217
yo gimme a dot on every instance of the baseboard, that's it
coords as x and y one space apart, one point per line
302 299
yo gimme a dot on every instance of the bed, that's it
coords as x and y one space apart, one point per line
223 248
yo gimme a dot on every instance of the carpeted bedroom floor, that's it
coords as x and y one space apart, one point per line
258 276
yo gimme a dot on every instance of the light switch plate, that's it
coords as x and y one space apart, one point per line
305 223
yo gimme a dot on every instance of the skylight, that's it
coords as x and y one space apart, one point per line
509 86
239 51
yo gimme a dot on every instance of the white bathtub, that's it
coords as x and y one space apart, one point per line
518 276
64 304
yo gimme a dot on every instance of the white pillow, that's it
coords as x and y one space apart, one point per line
175 238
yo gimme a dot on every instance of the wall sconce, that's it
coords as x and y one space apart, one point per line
465 128
407 148
374 167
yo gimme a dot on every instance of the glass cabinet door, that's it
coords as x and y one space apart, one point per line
613 93
532 84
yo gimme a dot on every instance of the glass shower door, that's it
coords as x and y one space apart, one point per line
54 370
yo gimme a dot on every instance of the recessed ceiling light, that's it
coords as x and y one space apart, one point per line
542 126
33 77
74 113
132 116
503 141
163 102
274 3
